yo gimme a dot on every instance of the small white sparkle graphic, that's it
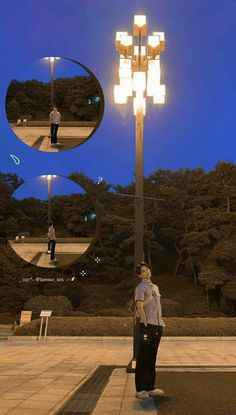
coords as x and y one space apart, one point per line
97 260
83 273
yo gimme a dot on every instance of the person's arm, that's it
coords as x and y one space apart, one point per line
142 313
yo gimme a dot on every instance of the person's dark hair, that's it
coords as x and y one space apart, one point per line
50 223
139 266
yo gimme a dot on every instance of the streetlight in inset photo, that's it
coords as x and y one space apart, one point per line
140 77
49 182
52 60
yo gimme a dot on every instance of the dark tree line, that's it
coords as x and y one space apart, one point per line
78 99
189 230
73 215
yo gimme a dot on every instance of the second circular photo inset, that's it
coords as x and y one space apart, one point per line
55 104
55 221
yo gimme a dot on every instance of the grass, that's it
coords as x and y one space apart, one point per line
123 326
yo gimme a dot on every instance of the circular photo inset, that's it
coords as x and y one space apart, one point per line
55 104
55 221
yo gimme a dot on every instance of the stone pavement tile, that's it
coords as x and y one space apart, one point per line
32 404
48 397
17 395
106 400
28 387
102 411
117 381
132 405
3 411
10 403
24 411
130 391
4 389
65 382
42 381
113 391
110 405
56 390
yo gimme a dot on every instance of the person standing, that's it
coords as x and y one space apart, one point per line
52 239
149 312
55 118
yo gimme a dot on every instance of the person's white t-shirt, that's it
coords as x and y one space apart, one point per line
55 117
51 233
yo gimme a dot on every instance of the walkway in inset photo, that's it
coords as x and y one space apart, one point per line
36 252
68 137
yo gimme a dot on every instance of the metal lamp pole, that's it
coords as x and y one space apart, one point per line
140 76
52 60
49 183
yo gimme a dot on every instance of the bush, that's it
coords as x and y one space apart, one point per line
7 318
112 312
171 308
58 304
123 326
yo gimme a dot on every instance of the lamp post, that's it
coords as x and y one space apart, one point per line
140 77
49 182
52 60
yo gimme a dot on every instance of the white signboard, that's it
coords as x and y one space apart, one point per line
46 313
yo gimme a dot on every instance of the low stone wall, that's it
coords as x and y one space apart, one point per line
59 240
62 124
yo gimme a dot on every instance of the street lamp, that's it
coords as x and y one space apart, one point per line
140 77
52 60
49 181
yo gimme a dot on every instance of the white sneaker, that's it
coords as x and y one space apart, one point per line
142 395
155 392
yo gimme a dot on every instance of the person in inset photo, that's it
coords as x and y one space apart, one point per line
52 240
55 118
149 313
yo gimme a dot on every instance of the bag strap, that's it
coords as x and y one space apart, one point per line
147 301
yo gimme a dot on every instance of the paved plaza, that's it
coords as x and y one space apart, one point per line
68 137
35 253
40 378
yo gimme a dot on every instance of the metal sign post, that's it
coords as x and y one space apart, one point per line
46 314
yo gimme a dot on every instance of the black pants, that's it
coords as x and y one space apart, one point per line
53 246
145 373
54 128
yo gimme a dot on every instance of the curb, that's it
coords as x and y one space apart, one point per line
119 338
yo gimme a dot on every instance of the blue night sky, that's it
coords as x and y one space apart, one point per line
40 69
194 128
38 188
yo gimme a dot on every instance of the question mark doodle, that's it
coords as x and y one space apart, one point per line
15 159
100 179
